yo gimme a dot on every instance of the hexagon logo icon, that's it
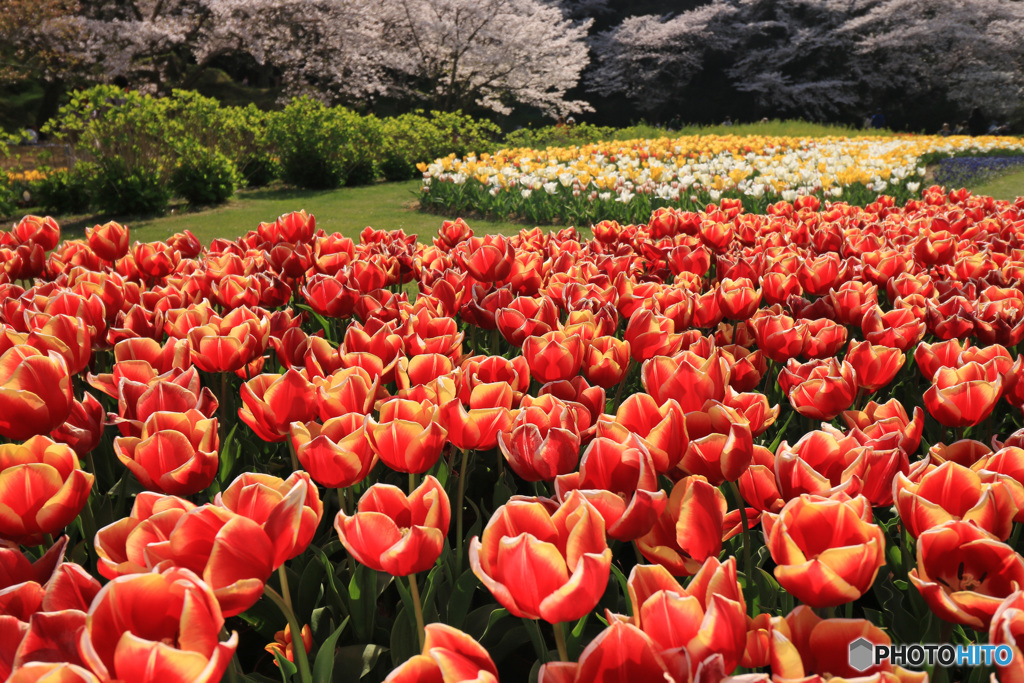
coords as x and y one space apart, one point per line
862 654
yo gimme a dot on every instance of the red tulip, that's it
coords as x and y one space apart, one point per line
720 446
963 396
449 656
876 366
156 627
932 496
689 530
108 241
621 652
707 618
1007 628
805 647
621 483
488 259
43 231
488 416
542 562
888 424
737 298
409 436
176 453
687 378
83 429
35 392
553 356
964 573
542 442
605 361
820 570
42 489
661 430
289 510
284 646
650 335
272 402
396 534
819 390
780 337
230 343
336 454
898 328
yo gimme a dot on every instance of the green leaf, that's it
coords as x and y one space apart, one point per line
362 602
462 597
404 641
323 666
357 658
288 670
624 586
310 589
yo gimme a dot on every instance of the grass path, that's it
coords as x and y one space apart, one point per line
1007 187
387 206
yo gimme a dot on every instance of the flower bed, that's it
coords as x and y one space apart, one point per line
627 180
712 443
964 171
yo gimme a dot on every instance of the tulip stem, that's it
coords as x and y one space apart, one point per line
298 647
286 592
458 514
533 628
622 384
412 482
748 568
563 652
417 607
295 457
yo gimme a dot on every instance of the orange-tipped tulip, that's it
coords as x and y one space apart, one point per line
394 533
689 530
621 483
336 454
272 402
544 563
175 454
156 627
409 436
35 392
964 573
42 489
825 570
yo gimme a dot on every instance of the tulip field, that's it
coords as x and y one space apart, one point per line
709 445
627 180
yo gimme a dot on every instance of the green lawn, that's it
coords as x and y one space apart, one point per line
1007 187
387 206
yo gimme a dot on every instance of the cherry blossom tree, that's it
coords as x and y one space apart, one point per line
455 54
448 54
969 51
649 58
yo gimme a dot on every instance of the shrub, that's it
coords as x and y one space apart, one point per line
324 147
121 189
63 192
205 176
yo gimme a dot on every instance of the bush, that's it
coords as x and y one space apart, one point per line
62 192
324 147
205 176
121 189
